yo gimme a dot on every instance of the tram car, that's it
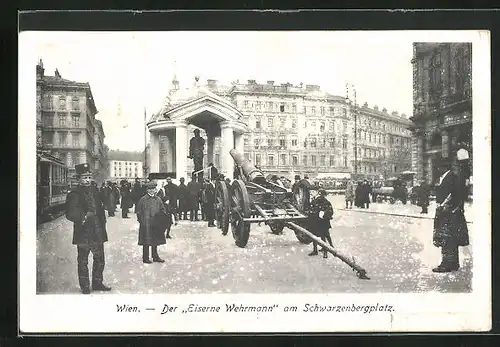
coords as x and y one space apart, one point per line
52 186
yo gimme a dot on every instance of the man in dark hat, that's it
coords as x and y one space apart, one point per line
321 212
196 148
136 193
150 209
85 209
296 181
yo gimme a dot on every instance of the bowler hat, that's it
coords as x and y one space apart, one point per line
322 192
81 169
297 177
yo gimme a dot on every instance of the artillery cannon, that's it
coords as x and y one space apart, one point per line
251 198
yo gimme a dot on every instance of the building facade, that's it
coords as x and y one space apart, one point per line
304 130
442 106
66 123
124 169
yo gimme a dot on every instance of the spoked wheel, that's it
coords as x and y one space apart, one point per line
240 208
276 227
301 199
222 204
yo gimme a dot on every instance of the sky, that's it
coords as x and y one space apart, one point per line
135 69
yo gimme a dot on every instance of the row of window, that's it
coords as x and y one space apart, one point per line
62 120
294 160
61 138
119 164
270 106
312 142
48 102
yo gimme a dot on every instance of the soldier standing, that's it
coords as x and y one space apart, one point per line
321 212
209 201
126 198
136 193
85 209
182 195
194 189
171 193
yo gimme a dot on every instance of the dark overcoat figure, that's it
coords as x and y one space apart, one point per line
358 192
209 201
171 193
214 173
182 195
194 192
110 199
320 214
423 193
349 194
126 202
136 193
169 217
450 226
85 209
116 194
152 216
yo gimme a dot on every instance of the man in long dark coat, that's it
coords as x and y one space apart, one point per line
152 217
109 199
136 193
85 209
450 226
194 192
182 196
209 201
126 198
116 194
171 193
321 212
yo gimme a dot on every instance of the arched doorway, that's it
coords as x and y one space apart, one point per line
205 110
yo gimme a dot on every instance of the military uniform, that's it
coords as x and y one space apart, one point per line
209 201
320 214
85 209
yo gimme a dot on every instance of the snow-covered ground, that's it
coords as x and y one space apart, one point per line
396 251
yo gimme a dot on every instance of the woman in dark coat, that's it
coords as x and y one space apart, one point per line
450 226
152 217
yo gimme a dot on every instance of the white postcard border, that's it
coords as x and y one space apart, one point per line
412 312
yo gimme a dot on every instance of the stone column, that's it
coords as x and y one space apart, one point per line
227 143
210 148
238 142
154 155
181 150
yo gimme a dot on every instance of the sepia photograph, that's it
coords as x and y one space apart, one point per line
252 165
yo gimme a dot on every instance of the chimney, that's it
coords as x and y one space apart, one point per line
57 74
40 70
384 110
212 84
365 105
271 83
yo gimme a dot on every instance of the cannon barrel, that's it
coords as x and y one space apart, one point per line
249 170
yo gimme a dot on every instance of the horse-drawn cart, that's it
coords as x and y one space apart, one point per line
253 199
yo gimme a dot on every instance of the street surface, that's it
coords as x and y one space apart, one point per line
389 241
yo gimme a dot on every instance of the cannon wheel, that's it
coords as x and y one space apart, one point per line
301 198
222 204
277 227
240 207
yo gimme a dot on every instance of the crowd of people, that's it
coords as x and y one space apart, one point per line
158 208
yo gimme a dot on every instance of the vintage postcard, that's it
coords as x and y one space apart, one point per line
257 181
